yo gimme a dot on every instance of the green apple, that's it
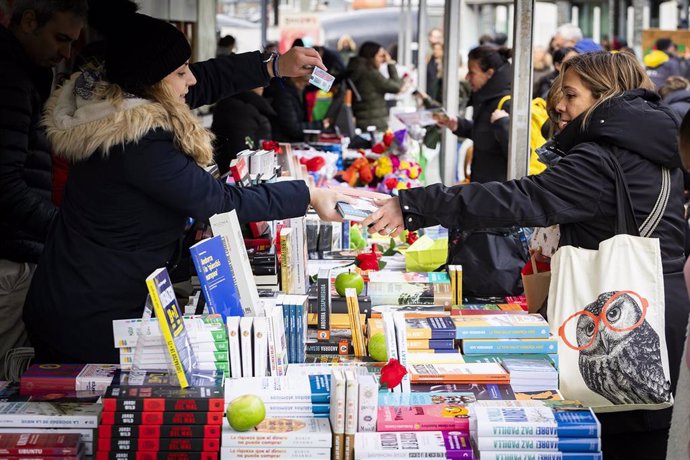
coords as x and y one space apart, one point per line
377 347
245 412
349 280
357 240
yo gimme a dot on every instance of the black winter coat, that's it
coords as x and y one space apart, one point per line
371 109
124 213
490 155
26 209
243 115
579 194
289 105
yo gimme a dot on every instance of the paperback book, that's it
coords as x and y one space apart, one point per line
434 417
422 444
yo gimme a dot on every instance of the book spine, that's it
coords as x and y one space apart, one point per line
327 348
162 418
302 314
285 256
125 404
278 453
249 439
368 403
351 413
391 340
270 323
166 315
159 455
303 407
401 336
323 287
260 346
534 346
551 444
154 445
502 455
86 434
337 413
500 332
159 431
246 346
47 421
234 346
280 337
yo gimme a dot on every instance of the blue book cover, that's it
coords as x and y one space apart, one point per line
520 346
346 235
216 277
436 344
299 316
440 327
508 326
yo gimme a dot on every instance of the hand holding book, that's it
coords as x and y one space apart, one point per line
324 202
387 220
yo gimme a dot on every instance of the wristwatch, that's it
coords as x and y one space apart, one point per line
268 56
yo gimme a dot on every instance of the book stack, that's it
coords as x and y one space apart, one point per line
207 335
424 335
295 314
294 277
160 422
17 415
264 266
424 417
261 164
284 437
303 396
69 379
412 444
487 309
537 432
531 374
56 446
401 288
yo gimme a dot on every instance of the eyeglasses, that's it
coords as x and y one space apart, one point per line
585 324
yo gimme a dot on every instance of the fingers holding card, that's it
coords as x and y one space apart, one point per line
321 79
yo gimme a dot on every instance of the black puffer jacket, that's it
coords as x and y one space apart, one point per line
235 118
26 210
579 194
490 156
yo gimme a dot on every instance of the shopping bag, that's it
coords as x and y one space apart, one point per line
606 307
536 285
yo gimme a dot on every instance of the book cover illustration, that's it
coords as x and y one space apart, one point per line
446 417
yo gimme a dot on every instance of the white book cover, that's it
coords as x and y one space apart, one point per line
269 309
277 453
227 225
246 346
401 336
301 388
368 394
96 378
126 331
280 337
391 345
280 432
260 346
202 356
235 355
351 413
434 358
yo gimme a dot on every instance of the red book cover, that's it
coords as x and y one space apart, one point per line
162 418
258 229
159 431
47 378
39 444
156 455
240 172
432 417
158 399
155 445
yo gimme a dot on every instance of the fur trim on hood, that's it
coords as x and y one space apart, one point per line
77 127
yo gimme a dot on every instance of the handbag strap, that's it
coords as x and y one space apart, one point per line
625 217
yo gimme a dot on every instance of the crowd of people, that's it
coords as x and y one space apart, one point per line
123 123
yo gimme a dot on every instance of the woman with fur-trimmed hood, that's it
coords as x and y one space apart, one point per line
136 151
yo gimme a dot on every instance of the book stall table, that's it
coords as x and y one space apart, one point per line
350 354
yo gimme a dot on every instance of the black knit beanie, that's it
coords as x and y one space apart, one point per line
140 50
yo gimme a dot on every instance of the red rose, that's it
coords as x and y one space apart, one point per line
315 164
412 237
388 138
392 374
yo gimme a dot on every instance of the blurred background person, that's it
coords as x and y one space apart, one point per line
541 66
558 57
676 94
364 72
226 46
662 63
567 35
347 48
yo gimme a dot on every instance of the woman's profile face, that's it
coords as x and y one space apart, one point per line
577 98
476 77
180 80
380 58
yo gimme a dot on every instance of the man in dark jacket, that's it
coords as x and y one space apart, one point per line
39 36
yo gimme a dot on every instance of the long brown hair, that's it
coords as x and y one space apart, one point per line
607 75
190 136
